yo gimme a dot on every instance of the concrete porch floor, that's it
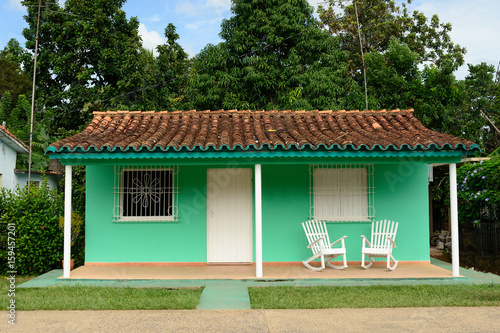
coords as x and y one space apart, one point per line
247 272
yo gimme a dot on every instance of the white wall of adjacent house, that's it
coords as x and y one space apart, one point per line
8 158
9 178
22 179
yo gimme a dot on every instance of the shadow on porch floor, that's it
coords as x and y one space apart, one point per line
242 272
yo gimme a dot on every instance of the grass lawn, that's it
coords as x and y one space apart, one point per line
99 298
374 296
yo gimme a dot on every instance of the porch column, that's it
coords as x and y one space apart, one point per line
67 221
258 221
454 220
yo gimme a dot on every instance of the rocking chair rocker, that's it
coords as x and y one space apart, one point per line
319 243
381 244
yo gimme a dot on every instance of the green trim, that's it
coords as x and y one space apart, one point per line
253 155
267 148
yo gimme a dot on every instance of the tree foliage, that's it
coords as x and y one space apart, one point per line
15 86
13 79
381 20
273 56
32 214
483 106
394 80
478 191
165 76
88 51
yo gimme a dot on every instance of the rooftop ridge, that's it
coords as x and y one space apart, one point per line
234 111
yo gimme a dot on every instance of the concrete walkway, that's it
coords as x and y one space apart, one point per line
481 319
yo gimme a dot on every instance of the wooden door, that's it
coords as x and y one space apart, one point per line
229 215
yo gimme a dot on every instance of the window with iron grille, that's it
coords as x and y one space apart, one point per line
341 193
145 194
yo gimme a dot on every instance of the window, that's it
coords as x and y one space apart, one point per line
342 192
145 194
34 183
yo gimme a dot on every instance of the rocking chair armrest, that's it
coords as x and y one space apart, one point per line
317 240
338 240
366 240
392 242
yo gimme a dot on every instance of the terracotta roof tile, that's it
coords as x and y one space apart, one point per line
256 130
17 144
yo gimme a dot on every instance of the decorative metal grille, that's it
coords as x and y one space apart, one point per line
342 193
145 194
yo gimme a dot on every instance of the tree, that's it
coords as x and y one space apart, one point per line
173 66
164 78
482 109
12 78
381 20
273 56
394 81
440 98
88 53
15 85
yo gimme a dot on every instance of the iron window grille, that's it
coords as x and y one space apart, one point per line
145 194
342 193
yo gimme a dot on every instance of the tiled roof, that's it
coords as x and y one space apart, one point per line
257 130
13 141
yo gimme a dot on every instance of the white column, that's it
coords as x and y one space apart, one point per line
258 221
454 220
67 221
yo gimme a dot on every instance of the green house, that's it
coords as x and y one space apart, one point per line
234 186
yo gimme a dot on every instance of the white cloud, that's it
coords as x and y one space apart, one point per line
209 8
155 18
315 3
150 39
198 24
16 4
219 5
188 8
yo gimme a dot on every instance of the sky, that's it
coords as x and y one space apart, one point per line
475 23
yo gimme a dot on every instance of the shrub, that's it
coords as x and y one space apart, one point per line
479 192
38 238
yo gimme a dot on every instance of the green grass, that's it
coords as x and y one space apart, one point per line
374 296
99 298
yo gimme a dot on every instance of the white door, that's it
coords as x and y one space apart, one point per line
229 215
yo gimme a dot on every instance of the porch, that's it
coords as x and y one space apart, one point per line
291 271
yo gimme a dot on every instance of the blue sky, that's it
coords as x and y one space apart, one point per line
475 23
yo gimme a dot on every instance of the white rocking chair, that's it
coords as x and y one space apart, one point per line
319 243
381 243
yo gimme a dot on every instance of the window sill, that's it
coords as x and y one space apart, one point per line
147 219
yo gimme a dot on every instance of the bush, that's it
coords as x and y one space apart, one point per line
479 192
34 212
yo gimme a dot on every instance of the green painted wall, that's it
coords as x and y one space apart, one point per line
108 241
400 194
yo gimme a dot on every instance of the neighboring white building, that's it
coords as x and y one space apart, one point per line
10 177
